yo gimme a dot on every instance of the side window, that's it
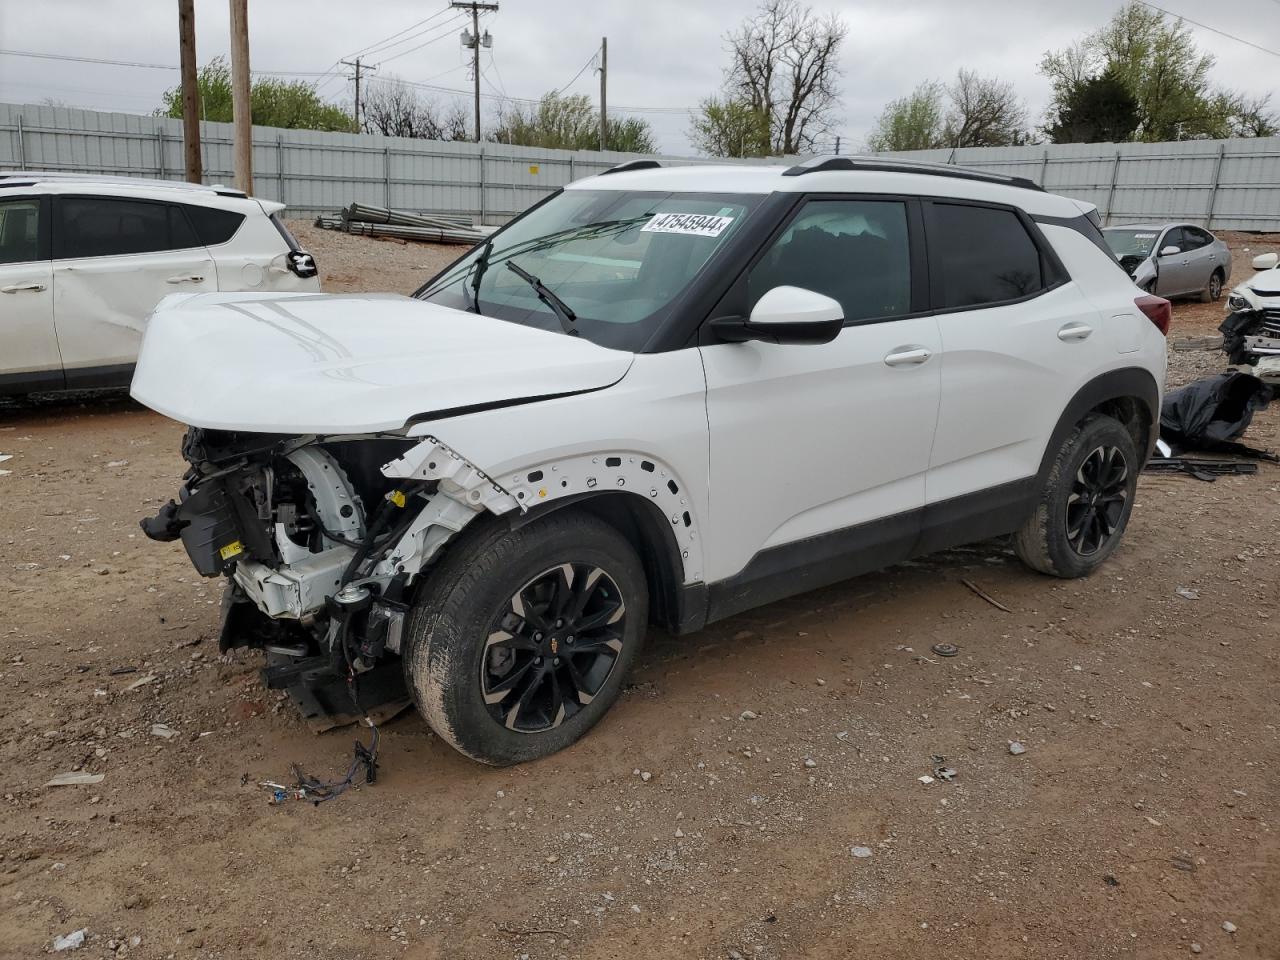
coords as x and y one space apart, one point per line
1193 238
981 255
106 226
213 226
855 251
1172 238
20 231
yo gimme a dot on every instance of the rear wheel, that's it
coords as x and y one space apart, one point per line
1085 503
1213 291
521 639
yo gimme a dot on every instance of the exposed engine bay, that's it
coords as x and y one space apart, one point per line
320 538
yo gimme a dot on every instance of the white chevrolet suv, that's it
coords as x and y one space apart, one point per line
663 394
84 260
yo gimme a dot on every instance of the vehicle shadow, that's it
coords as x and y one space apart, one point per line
54 406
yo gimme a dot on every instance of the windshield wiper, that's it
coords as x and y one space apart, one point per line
477 273
531 245
558 306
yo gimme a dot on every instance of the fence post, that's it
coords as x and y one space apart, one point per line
480 220
160 150
280 167
1111 194
22 146
1044 167
386 177
571 168
1213 192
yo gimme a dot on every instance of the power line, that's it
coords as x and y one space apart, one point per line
448 32
578 74
1205 26
328 73
384 50
386 40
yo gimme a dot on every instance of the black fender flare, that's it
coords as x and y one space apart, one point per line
1126 383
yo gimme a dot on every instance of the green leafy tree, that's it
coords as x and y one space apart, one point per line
273 102
729 128
1156 59
559 122
913 122
1095 110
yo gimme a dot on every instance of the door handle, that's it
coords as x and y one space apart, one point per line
907 357
18 287
1074 331
187 279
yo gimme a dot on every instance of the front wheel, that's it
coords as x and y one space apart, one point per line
1085 503
520 640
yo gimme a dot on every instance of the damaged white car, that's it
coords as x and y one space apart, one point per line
661 395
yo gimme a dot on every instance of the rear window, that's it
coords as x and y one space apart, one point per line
213 226
981 255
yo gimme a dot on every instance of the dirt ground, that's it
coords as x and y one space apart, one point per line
714 812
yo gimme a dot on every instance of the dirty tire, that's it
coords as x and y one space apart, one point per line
1043 543
1213 289
468 592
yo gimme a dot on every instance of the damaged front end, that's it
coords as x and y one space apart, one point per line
321 539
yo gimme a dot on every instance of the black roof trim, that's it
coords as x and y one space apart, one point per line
825 164
633 165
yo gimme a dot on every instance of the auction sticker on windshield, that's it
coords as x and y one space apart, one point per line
692 224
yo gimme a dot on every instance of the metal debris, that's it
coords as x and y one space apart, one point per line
945 649
75 779
986 596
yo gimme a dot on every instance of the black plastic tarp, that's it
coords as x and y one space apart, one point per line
1210 414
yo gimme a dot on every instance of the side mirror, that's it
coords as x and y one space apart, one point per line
1266 261
1169 251
785 315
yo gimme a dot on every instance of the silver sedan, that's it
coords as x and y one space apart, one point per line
1172 259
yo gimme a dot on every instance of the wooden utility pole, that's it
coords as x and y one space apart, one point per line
604 73
475 44
358 68
190 88
241 112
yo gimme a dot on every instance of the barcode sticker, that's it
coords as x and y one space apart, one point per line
692 224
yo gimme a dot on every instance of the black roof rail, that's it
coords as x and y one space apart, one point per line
630 165
888 165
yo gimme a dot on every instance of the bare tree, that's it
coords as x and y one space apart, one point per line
985 112
394 108
785 67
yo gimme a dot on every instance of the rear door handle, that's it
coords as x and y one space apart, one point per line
19 287
907 357
186 279
1074 331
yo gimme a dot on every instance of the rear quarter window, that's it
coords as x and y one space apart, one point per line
981 255
213 226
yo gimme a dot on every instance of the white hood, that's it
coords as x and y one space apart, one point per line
316 363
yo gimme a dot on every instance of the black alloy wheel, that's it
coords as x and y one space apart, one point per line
1096 503
549 653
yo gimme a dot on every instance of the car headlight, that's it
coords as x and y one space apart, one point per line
1237 302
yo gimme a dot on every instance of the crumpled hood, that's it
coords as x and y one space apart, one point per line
320 363
1265 283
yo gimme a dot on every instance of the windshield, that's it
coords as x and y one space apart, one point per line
1131 243
616 259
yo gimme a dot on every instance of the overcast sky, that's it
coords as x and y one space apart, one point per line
662 53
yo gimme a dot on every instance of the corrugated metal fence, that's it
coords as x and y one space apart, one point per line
1224 184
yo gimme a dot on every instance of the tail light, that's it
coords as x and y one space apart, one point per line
1156 309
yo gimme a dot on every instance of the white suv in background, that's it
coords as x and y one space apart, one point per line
84 260
662 394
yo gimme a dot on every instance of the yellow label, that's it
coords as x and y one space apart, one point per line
533 168
396 497
233 549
